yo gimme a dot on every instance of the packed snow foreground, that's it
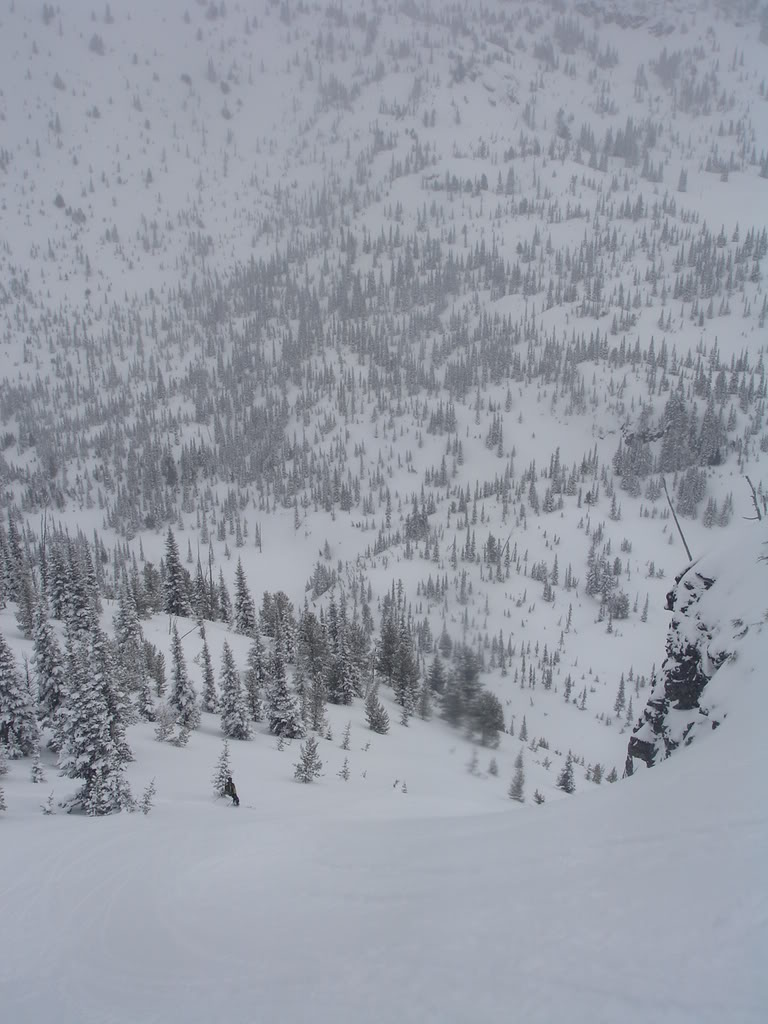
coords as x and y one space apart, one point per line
642 901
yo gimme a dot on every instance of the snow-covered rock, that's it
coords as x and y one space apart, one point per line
716 600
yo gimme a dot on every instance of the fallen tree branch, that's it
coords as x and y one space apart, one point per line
754 500
677 521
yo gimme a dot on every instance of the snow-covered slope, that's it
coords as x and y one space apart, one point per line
350 900
642 901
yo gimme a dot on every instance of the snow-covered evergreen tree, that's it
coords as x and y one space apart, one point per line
222 770
453 702
104 676
346 736
183 697
27 599
436 675
256 676
375 713
386 648
131 662
210 698
48 665
313 646
405 676
244 608
424 706
488 717
234 707
147 801
517 786
175 581
18 719
37 772
283 713
93 745
309 765
316 702
224 600
343 673
565 779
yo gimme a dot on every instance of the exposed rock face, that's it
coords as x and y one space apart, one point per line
675 708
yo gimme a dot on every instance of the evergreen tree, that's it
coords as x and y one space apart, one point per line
345 739
13 560
222 771
565 779
93 747
224 600
147 801
375 712
80 608
176 580
103 671
488 717
282 711
155 662
316 701
210 699
343 674
18 721
312 645
386 650
131 662
57 582
425 701
27 600
309 765
436 675
234 708
256 677
37 774
517 786
183 697
467 674
48 663
453 702
621 699
405 676
244 607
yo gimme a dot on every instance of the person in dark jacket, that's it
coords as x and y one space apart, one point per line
229 790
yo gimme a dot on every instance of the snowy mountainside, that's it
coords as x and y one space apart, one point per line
370 904
432 317
347 351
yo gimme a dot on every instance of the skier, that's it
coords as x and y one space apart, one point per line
229 790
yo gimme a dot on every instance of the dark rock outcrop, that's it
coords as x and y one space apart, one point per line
675 707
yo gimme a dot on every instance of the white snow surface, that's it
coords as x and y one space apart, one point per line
641 901
355 901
